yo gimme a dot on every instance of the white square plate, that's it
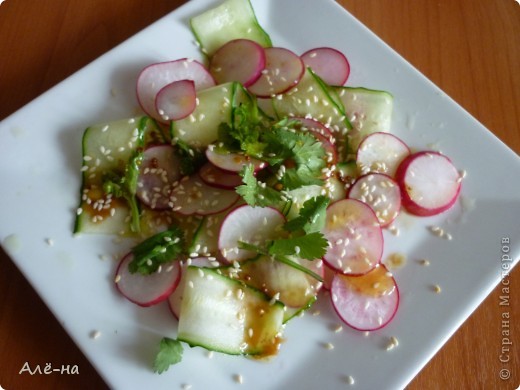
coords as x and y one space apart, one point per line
40 151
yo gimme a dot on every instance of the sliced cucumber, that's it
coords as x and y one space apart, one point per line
107 148
215 106
233 19
224 315
205 240
347 172
335 189
293 312
368 111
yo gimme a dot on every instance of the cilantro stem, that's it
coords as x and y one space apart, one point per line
281 259
289 262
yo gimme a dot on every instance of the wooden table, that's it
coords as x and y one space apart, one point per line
471 49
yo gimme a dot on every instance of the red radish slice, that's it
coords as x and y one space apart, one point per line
381 152
381 193
156 76
429 182
367 302
315 126
249 224
331 156
283 70
193 196
158 171
147 290
219 178
329 64
323 135
175 299
239 60
176 100
355 237
328 275
232 162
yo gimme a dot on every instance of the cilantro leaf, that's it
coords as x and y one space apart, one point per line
244 132
255 193
170 352
191 159
311 217
299 177
302 150
156 250
310 246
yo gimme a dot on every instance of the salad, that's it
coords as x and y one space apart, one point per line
253 181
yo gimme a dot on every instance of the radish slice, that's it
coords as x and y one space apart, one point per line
193 196
292 287
315 126
156 76
158 171
175 299
176 100
216 177
381 152
239 60
329 64
429 182
232 162
355 237
253 225
366 302
328 276
283 70
381 193
146 290
331 156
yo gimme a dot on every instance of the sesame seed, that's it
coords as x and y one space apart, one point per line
392 344
238 378
437 288
117 278
424 262
350 380
95 334
329 346
394 230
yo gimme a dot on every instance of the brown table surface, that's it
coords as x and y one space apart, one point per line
470 49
